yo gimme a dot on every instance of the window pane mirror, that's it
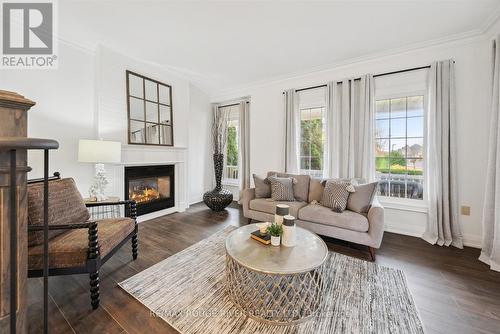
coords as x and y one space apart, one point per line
149 108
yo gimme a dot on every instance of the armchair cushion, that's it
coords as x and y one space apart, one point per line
70 248
66 206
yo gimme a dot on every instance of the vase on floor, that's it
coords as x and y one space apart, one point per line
218 198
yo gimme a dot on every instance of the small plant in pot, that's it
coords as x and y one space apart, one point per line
275 231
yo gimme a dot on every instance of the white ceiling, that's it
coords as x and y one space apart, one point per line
225 44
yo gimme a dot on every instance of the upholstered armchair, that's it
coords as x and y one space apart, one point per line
77 244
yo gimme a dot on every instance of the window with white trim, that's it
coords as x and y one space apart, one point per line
312 113
231 163
399 146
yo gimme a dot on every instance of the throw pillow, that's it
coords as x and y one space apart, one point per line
336 194
262 187
361 200
282 188
300 187
316 189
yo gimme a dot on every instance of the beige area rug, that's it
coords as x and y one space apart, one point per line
187 291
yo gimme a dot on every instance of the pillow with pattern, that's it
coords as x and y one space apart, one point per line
282 188
336 194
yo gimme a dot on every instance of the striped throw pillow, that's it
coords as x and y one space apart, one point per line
336 194
282 188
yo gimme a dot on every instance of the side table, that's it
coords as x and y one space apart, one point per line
110 210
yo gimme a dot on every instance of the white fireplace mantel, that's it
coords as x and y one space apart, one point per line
143 155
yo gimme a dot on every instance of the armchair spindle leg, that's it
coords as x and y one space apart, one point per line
94 289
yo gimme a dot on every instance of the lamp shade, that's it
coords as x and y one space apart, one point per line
99 151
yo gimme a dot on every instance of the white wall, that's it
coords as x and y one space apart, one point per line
112 101
64 110
85 98
472 89
200 169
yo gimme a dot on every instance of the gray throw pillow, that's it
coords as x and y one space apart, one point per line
361 200
336 194
262 187
281 188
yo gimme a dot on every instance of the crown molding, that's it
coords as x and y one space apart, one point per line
89 49
461 38
211 83
493 18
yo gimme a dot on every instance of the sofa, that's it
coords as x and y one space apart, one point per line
365 228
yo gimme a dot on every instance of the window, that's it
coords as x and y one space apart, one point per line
399 146
312 109
231 171
149 105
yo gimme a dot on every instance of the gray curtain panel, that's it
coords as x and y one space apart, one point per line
350 129
443 227
244 148
490 253
292 137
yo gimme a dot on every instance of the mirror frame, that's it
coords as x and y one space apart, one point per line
144 100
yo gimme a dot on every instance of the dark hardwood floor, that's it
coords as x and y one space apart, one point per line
454 292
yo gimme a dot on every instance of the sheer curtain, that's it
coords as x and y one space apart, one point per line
350 128
443 227
490 253
244 145
292 134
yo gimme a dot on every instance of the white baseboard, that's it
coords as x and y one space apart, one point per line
474 241
469 240
159 213
195 200
400 227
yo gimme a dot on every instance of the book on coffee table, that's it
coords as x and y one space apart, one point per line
265 239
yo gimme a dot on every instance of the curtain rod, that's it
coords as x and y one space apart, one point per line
229 105
232 105
307 88
375 76
402 71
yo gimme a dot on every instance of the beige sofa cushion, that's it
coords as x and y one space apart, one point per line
322 215
262 187
360 200
269 206
301 188
316 188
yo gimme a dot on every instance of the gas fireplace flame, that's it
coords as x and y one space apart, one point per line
144 195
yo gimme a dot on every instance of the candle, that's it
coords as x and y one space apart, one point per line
289 238
281 211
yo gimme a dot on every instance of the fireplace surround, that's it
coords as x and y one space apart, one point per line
152 187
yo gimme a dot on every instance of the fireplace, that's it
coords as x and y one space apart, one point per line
152 187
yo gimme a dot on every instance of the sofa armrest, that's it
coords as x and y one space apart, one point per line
376 221
246 196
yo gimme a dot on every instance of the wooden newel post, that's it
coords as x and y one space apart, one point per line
13 123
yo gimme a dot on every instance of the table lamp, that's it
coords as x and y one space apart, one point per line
99 152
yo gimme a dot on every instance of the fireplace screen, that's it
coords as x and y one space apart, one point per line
152 187
149 189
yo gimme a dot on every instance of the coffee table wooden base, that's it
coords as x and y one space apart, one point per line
279 299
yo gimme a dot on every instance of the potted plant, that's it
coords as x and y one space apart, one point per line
275 231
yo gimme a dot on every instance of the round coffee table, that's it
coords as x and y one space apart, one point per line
280 285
